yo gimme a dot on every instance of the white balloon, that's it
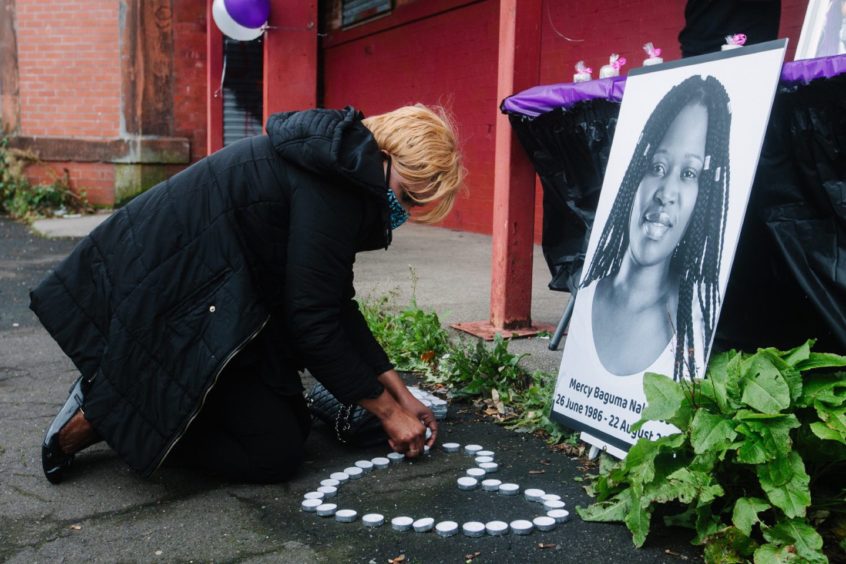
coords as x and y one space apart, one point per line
230 27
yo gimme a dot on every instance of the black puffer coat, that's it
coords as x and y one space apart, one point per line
155 302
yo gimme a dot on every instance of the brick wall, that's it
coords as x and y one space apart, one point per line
189 67
69 62
451 58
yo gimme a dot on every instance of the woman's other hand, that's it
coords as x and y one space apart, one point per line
397 388
406 433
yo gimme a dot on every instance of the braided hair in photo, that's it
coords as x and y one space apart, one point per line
696 259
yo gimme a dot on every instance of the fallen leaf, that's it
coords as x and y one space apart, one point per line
546 545
397 559
76 527
427 356
670 552
537 471
470 557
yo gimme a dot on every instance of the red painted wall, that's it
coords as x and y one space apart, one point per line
451 58
448 59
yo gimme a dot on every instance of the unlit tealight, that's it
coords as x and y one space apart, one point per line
446 528
354 472
491 485
380 462
328 491
471 450
451 447
401 523
521 527
346 515
560 515
365 465
467 483
533 494
496 528
326 509
509 489
423 525
311 505
341 477
544 523
395 457
473 529
373 520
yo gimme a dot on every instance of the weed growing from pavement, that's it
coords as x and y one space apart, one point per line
23 200
489 374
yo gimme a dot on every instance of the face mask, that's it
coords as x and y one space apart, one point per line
398 213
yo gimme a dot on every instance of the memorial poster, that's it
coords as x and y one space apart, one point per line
675 191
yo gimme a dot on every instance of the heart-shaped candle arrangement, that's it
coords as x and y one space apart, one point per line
552 507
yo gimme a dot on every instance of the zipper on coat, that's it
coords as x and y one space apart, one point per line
217 374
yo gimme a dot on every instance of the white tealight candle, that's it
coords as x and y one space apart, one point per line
473 529
496 528
340 476
380 462
326 509
373 520
551 497
467 483
346 515
328 491
471 450
509 489
446 528
483 459
521 527
488 453
365 465
401 523
314 495
330 482
451 447
560 515
534 494
354 472
489 467
475 472
544 523
311 505
491 485
423 525
553 504
395 457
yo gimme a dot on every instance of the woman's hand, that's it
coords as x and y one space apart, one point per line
412 405
406 433
397 388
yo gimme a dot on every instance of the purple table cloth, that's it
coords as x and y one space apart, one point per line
541 99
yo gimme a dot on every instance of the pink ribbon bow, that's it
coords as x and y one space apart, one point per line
736 39
617 61
651 50
580 67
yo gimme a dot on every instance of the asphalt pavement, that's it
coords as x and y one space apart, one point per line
104 512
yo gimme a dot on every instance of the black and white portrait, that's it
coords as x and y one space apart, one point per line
666 228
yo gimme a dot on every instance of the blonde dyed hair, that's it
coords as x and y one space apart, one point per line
424 150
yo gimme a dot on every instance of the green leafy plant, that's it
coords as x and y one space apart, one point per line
757 466
21 199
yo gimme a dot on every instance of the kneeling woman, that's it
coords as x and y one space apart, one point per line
191 310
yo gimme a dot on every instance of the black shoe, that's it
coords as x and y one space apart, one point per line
53 460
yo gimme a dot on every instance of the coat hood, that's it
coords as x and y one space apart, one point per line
330 142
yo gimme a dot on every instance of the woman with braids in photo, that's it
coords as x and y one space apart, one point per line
653 283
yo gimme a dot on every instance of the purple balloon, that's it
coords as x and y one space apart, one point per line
248 13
